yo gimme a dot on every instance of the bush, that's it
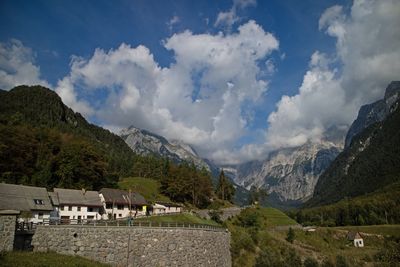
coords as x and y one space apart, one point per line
290 235
292 258
310 262
241 240
215 215
341 261
266 259
327 263
390 253
249 218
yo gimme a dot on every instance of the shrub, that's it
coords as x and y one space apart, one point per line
290 235
215 215
341 261
292 259
327 263
310 262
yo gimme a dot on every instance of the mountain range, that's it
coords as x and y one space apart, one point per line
291 175
341 165
147 143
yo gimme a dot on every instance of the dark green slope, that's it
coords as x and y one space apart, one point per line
378 207
371 162
40 107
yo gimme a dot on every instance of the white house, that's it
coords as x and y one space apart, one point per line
78 204
33 202
121 204
166 208
357 239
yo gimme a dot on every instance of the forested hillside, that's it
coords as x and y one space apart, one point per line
44 143
371 162
37 106
379 207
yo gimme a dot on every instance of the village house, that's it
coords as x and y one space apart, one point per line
356 238
33 202
165 208
77 204
121 204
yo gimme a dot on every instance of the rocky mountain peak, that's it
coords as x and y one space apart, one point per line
288 174
147 143
374 112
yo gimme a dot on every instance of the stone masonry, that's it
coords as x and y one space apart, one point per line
7 229
138 246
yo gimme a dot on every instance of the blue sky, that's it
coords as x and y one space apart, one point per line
59 39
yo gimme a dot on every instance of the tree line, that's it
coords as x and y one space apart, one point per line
380 207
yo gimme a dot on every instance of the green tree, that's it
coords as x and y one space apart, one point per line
290 235
225 189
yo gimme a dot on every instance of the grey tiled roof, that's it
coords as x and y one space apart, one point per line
78 197
54 198
122 197
22 198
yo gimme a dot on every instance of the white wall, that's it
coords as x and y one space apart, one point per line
84 213
38 216
119 213
359 243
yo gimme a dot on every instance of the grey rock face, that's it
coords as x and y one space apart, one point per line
375 112
145 143
289 175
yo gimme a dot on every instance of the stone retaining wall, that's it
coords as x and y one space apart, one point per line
225 213
134 246
7 229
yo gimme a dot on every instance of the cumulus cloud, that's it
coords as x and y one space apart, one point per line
17 66
230 17
367 48
200 98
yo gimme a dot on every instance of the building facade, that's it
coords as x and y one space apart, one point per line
78 205
120 204
33 202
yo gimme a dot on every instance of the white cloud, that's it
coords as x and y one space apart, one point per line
367 48
230 17
17 66
173 21
198 99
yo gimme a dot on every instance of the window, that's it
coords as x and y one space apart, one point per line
40 216
119 215
120 207
79 208
109 206
38 201
90 209
61 207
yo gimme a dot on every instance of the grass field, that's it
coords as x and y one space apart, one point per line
42 259
329 242
149 188
384 230
180 218
276 217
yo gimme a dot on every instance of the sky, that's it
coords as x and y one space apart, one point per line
234 79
